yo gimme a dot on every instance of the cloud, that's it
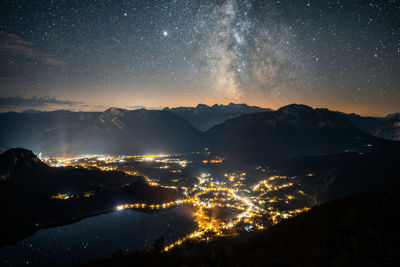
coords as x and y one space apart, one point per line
45 103
36 101
12 43
136 107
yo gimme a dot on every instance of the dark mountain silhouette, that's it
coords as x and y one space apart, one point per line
27 186
290 131
18 159
359 230
347 173
393 115
204 117
387 127
32 111
390 129
112 131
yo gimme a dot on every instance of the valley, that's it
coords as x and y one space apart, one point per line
245 176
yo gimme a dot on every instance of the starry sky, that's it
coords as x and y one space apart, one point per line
90 55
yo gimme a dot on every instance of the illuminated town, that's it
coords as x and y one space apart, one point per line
223 205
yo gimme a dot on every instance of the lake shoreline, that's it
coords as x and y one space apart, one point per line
21 234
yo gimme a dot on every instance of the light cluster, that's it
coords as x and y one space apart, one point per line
65 196
247 209
222 206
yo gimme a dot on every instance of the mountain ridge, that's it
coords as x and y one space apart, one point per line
387 127
117 130
290 131
112 131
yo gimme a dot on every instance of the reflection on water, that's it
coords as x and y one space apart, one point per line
97 237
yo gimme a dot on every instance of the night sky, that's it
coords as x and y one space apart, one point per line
89 55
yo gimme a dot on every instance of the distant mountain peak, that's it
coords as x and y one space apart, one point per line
297 107
114 111
203 117
32 111
204 106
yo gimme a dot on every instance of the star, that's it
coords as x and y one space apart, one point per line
165 33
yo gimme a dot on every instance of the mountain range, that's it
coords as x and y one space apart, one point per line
245 133
290 131
203 117
112 131
387 127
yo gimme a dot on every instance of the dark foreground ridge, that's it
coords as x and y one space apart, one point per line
357 230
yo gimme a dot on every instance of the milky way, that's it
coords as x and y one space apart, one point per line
90 55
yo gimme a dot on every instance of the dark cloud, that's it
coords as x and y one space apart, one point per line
136 107
13 44
36 101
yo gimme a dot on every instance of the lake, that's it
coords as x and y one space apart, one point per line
97 237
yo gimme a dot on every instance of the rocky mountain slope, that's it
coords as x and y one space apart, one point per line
290 131
112 131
